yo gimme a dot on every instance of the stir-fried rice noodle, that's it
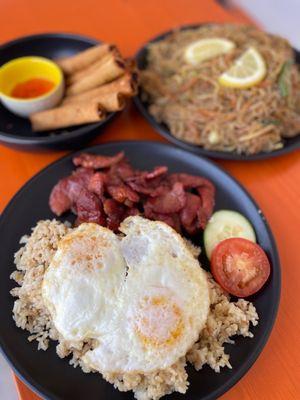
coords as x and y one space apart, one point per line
197 109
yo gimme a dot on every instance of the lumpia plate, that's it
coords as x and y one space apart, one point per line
290 144
16 131
52 377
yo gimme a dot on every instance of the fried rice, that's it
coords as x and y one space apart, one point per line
225 320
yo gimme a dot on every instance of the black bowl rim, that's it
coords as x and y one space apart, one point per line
165 132
248 363
61 137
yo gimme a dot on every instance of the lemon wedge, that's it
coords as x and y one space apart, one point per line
248 70
205 49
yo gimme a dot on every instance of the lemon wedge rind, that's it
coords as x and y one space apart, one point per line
205 49
247 71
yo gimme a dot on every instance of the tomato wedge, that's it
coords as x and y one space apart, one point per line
240 266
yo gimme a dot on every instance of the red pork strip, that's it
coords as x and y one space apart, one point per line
151 187
170 219
59 200
66 191
89 208
97 161
97 183
170 202
107 197
148 190
206 191
157 171
78 180
145 181
190 181
122 193
207 195
120 172
122 169
160 190
189 214
115 213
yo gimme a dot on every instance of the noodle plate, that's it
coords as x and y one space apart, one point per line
198 110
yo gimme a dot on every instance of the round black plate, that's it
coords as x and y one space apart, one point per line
290 144
16 131
52 377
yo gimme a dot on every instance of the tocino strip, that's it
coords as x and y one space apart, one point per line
110 70
125 85
84 59
65 116
114 53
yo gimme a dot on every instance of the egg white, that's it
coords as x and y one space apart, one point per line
143 296
82 283
164 305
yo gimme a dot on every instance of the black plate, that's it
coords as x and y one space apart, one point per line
52 377
290 144
16 131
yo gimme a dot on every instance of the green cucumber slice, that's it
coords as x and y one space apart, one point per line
225 224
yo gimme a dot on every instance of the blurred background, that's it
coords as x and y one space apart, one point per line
276 16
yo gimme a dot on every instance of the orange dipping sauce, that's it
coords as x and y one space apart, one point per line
32 88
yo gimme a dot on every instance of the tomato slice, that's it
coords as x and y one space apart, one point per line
240 266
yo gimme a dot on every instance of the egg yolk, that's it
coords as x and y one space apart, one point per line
159 321
32 88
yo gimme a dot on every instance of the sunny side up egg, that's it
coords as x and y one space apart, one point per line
142 296
81 285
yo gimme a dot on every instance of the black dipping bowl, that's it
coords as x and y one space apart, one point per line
290 144
16 131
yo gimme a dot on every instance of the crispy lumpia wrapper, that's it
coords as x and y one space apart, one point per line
110 102
109 71
125 85
68 115
84 59
77 76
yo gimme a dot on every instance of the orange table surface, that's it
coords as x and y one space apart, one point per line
274 183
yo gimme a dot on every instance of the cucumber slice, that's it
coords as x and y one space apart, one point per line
225 224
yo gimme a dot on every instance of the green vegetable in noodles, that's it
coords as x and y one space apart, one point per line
284 78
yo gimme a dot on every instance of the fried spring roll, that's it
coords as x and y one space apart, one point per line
84 59
126 85
114 53
112 69
68 115
111 101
